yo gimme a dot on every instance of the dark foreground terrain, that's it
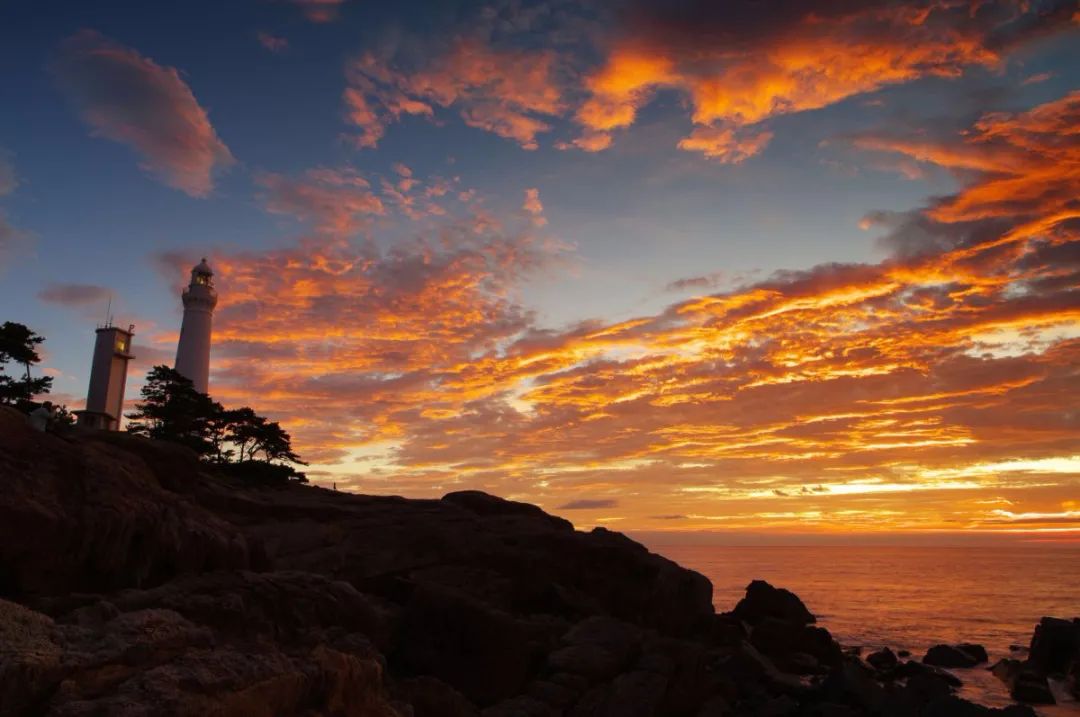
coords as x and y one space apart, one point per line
135 583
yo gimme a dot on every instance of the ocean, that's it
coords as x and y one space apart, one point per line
910 597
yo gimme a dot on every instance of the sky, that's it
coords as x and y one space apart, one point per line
804 267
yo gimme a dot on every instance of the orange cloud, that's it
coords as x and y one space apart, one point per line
911 394
501 91
740 65
725 144
130 99
336 202
736 65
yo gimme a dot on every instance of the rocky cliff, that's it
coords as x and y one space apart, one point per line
134 582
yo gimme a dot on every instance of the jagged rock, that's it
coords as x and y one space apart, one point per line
1031 686
976 651
486 654
592 662
1055 650
883 659
910 668
727 630
632 694
1055 645
102 514
1007 670
762 601
747 659
953 656
855 683
685 665
30 658
789 645
927 686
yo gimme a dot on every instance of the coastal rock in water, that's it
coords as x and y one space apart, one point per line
1007 670
1032 686
762 601
976 651
1055 645
1054 652
911 668
954 656
882 660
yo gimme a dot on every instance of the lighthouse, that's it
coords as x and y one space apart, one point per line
108 375
193 350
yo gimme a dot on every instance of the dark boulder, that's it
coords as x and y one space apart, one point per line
484 653
762 601
855 683
882 660
790 645
1055 645
954 656
910 668
1007 670
976 651
1031 686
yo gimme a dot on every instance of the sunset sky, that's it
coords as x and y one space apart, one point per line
805 266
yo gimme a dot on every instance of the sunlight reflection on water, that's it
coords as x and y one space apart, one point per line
910 597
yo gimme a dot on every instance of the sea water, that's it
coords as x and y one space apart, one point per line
910 598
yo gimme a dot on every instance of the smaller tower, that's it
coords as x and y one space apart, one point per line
108 376
193 349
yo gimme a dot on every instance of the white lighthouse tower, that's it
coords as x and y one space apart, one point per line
193 350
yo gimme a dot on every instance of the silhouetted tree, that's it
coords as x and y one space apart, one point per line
275 444
173 410
18 344
243 430
253 434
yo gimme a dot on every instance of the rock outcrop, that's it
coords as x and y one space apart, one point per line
135 582
962 655
1054 654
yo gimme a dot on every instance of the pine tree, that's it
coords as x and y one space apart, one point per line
18 344
172 410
